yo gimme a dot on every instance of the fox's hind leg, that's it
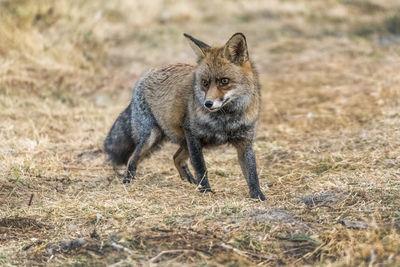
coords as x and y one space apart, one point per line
146 143
180 158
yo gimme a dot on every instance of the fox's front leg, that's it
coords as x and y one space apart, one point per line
247 161
197 160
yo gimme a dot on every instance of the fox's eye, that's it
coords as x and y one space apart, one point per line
223 81
205 83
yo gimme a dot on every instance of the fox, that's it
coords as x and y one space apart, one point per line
214 102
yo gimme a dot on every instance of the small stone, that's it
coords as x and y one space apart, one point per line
355 224
327 198
273 215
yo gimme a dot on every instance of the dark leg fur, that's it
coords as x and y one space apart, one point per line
147 143
133 161
247 161
119 143
197 159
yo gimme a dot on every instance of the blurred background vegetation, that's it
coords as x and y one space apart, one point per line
69 48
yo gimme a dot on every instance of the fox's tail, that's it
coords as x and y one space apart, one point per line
120 143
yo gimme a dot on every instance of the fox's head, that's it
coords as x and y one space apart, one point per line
224 75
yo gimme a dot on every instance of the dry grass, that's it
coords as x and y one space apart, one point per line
328 145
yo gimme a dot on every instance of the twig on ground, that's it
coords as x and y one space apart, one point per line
120 247
246 254
30 200
174 251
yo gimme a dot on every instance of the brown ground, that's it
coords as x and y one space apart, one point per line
328 145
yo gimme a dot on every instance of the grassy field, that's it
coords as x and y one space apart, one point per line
328 142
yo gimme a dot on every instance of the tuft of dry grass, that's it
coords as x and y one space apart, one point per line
327 147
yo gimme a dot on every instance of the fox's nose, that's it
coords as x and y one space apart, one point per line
208 103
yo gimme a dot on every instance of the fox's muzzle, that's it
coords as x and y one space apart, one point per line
216 104
212 105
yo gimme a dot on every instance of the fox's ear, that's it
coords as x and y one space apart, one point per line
236 49
200 48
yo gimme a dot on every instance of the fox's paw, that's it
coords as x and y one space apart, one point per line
128 177
188 175
126 181
203 189
257 194
191 179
